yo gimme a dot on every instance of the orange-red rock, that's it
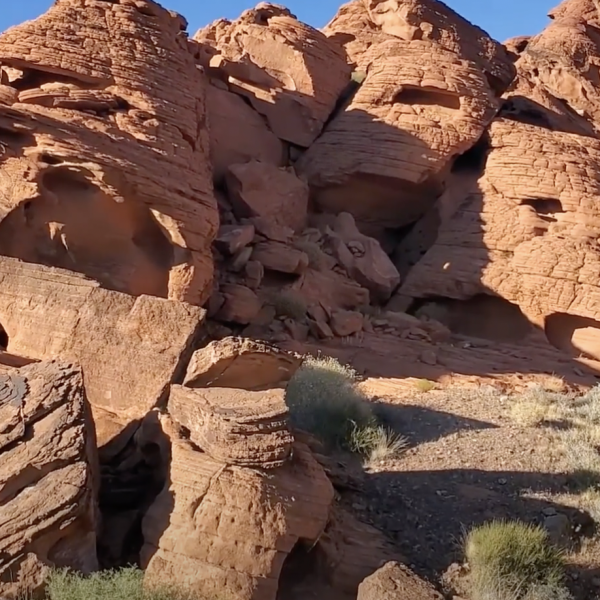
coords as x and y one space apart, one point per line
290 72
258 189
238 133
431 88
105 166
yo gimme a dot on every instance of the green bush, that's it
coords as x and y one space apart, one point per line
324 400
123 584
512 560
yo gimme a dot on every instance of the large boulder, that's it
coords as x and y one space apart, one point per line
241 363
48 476
259 189
220 529
238 133
131 348
431 87
104 168
290 72
235 426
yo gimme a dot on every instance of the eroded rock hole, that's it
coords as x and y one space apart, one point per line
575 335
427 97
495 83
48 159
75 224
544 206
482 316
474 159
524 111
35 78
3 339
521 46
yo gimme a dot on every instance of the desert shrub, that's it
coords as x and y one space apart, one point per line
376 442
289 304
578 418
323 399
513 560
123 584
424 385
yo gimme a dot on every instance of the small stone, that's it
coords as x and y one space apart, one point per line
559 529
428 357
232 238
254 274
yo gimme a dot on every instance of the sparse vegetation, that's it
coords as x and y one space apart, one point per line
324 400
123 584
514 561
377 442
577 418
289 304
424 385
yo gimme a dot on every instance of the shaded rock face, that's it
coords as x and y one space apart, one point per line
527 227
104 166
48 476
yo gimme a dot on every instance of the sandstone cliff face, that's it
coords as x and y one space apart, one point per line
305 187
104 170
528 229
431 88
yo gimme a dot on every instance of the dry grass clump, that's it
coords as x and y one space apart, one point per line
123 584
289 304
324 400
514 561
377 442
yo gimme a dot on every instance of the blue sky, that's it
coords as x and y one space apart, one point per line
500 18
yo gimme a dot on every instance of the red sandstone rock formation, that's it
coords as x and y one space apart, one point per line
104 166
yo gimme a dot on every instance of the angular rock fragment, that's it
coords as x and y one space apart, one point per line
48 476
259 189
275 256
241 363
241 304
221 529
363 258
238 133
105 163
290 72
236 427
